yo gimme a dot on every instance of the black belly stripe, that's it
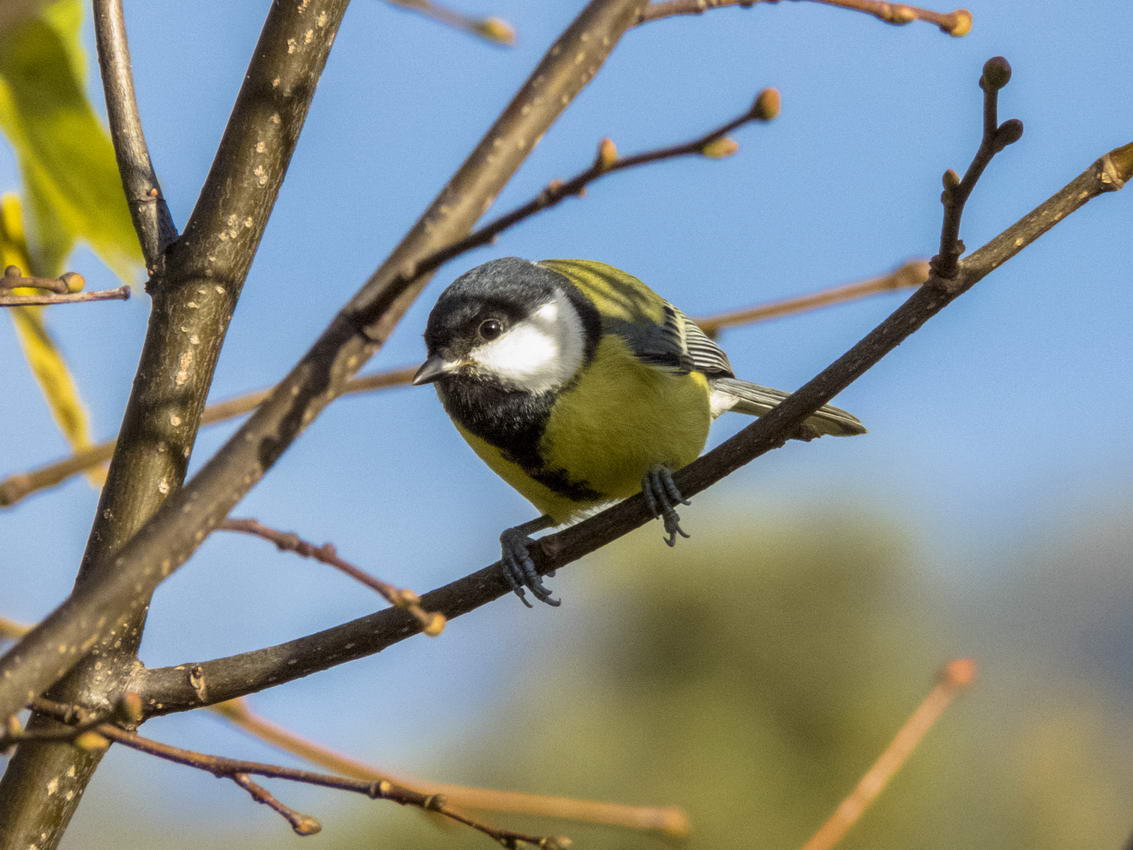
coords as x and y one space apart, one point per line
513 422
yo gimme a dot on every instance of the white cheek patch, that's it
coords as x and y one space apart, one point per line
540 353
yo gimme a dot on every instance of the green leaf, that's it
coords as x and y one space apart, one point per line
66 158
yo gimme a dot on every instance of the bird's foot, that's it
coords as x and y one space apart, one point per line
519 568
662 496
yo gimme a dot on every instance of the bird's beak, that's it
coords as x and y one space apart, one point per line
433 368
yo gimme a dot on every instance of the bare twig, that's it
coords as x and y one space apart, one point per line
909 275
955 677
492 29
607 161
996 74
152 221
165 690
302 824
669 821
229 768
14 278
431 624
122 293
954 23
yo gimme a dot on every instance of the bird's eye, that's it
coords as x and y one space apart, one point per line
490 329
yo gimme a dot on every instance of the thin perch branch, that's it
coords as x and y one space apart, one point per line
954 678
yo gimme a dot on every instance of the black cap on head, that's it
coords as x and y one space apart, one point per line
508 289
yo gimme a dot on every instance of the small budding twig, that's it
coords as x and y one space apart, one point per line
432 623
65 289
713 144
240 771
954 678
301 824
492 29
957 23
996 74
14 278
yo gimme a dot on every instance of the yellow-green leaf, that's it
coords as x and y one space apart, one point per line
70 176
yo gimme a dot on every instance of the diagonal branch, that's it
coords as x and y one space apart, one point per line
492 29
104 603
152 221
166 690
957 675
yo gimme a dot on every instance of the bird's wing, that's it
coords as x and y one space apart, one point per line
679 345
706 355
656 332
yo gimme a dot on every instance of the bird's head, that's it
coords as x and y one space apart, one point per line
508 322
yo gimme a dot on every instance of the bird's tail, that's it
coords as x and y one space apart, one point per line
744 397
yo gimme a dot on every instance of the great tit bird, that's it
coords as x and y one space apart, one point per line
580 386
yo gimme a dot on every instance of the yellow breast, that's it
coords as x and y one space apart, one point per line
620 418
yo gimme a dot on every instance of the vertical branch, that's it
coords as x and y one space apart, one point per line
194 290
152 221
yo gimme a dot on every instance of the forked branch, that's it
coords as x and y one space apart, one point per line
240 771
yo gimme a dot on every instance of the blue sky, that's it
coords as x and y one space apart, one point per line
1003 420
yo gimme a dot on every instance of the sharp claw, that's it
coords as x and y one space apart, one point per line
519 569
671 487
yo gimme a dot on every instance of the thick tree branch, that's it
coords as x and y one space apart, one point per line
954 678
194 293
166 690
16 487
99 606
152 221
